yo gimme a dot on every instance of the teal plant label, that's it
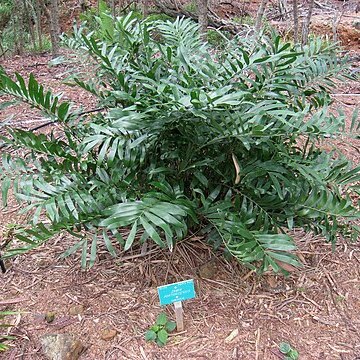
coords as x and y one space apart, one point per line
179 291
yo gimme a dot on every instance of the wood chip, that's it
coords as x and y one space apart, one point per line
232 336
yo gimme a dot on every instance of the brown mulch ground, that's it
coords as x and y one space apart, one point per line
315 309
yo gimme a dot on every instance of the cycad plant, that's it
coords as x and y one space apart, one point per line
4 337
186 140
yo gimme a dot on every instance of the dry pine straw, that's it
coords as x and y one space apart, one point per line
315 309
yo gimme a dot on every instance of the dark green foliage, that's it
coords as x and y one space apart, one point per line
217 39
187 140
6 7
5 13
159 17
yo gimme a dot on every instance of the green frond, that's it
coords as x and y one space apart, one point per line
154 217
33 93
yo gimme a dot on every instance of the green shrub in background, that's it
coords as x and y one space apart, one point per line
97 17
191 7
16 27
218 39
246 20
5 13
8 39
159 17
187 141
5 16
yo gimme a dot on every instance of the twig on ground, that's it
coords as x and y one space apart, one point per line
78 115
257 344
126 7
276 354
311 301
11 301
325 322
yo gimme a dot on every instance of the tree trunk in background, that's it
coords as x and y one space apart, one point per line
30 19
169 7
54 27
296 21
18 27
306 28
259 17
203 17
38 23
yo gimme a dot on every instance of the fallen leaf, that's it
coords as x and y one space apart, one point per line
285 266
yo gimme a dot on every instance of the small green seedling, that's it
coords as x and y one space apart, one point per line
159 332
289 352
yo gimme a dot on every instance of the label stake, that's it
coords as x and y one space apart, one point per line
174 294
179 315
